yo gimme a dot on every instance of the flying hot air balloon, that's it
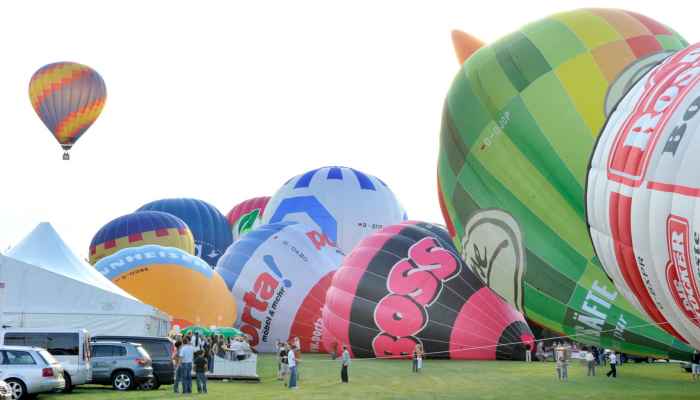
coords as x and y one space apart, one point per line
343 203
139 229
68 97
518 129
406 285
643 195
209 227
246 216
279 274
173 281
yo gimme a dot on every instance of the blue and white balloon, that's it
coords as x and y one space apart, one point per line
343 203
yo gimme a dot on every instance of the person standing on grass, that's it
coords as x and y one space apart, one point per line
414 360
210 353
613 365
528 352
562 368
297 354
596 355
200 370
278 348
186 358
284 363
176 364
421 354
292 360
590 361
540 351
345 364
695 365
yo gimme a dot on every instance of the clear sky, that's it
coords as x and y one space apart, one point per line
227 100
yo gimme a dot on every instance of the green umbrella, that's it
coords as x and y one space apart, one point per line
227 332
197 329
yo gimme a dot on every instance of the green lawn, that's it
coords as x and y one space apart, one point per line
383 379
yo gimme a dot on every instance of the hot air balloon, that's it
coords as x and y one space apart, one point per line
139 229
643 195
279 274
343 203
68 97
518 129
406 285
173 281
246 216
210 229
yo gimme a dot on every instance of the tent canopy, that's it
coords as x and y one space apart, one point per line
48 286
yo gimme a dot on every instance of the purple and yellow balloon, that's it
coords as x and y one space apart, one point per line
68 97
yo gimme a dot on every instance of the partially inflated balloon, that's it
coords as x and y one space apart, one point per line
643 195
246 216
343 203
210 229
279 274
139 229
68 97
406 285
173 281
518 129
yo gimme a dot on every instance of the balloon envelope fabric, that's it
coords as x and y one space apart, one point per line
68 97
518 129
642 195
209 227
343 203
173 281
279 274
246 216
406 285
139 229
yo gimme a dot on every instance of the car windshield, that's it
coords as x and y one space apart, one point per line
48 358
143 352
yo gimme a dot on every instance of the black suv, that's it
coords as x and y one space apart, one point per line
161 351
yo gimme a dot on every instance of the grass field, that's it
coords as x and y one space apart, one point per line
383 379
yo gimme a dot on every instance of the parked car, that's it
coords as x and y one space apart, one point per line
71 347
29 371
124 365
5 391
160 349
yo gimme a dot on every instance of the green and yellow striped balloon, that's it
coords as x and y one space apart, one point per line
519 125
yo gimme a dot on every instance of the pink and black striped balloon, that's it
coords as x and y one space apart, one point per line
406 285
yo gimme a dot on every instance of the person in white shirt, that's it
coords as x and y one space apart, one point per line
613 365
590 361
186 359
292 361
236 350
345 365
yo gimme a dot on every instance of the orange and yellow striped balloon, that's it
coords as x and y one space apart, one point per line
68 97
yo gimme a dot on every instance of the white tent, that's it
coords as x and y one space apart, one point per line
48 286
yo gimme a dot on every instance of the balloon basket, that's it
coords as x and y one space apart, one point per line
66 156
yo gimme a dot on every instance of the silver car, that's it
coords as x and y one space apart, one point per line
29 371
123 365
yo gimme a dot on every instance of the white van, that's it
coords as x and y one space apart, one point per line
71 347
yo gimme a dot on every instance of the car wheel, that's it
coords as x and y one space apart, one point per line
69 383
122 380
151 384
17 388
